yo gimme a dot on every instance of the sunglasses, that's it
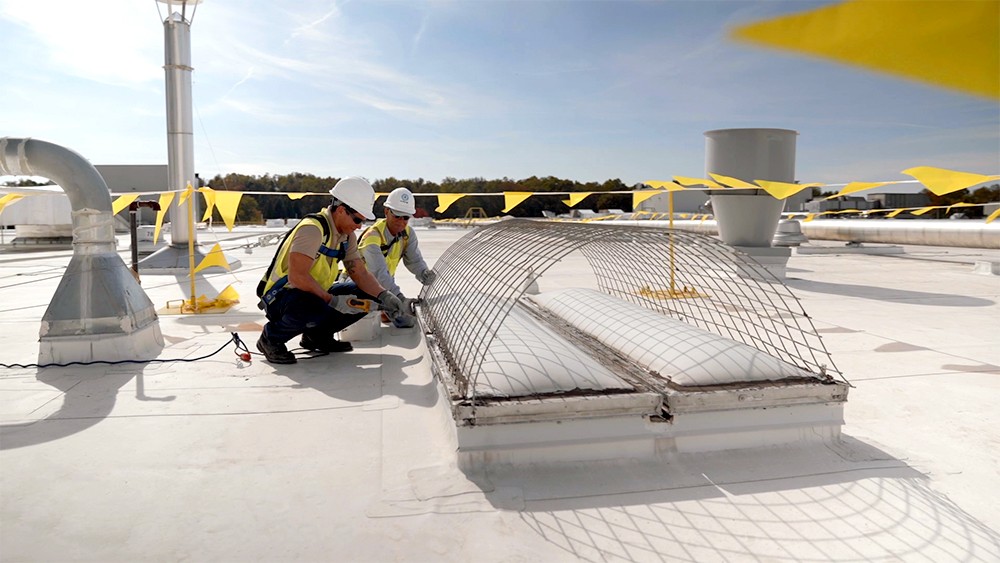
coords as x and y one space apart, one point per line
403 217
353 215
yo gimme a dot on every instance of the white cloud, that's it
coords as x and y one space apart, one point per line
311 30
419 35
322 59
113 41
268 111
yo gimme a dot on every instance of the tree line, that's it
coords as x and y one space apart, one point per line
257 208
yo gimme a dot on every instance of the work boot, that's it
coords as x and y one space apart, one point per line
275 352
326 346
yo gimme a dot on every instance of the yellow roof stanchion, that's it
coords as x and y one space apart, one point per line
189 192
673 292
200 303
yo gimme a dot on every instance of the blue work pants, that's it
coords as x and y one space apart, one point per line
295 312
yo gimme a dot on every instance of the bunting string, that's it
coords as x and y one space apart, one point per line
938 181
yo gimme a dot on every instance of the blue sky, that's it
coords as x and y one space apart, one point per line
583 90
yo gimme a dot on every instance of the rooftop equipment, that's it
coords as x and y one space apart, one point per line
748 218
98 312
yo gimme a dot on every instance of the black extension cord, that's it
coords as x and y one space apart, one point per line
241 351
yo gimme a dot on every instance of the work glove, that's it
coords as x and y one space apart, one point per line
340 303
409 305
391 304
426 277
404 321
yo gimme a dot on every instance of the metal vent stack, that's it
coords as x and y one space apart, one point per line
99 311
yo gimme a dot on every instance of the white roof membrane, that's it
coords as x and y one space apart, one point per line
352 456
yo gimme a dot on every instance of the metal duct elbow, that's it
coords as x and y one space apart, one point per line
88 194
81 181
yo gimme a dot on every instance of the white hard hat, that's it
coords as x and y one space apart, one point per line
356 193
400 201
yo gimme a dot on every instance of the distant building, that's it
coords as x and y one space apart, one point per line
685 201
124 178
839 204
897 200
864 202
46 213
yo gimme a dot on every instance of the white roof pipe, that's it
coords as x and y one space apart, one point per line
99 311
749 218
921 232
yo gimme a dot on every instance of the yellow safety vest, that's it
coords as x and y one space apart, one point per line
391 248
325 263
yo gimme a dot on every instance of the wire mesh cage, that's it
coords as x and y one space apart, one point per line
687 276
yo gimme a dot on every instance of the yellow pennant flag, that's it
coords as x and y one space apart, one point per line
921 211
959 204
689 182
641 196
213 258
732 182
185 194
165 199
298 195
209 194
942 181
513 199
945 43
121 202
664 185
896 212
575 198
228 296
445 201
781 190
9 199
228 203
809 217
993 216
854 187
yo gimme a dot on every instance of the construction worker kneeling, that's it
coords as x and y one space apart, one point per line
389 241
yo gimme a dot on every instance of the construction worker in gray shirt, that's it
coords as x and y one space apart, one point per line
389 241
